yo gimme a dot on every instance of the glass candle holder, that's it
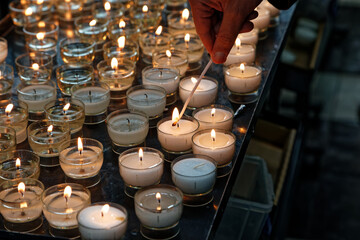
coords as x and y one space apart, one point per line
274 12
123 27
181 22
195 175
217 144
251 37
69 75
214 116
243 82
159 210
205 93
127 5
177 139
20 164
107 10
151 41
6 80
152 5
99 222
145 17
15 115
21 204
191 43
8 142
127 128
22 14
241 53
167 78
129 51
77 51
92 28
262 22
148 99
61 206
67 11
36 95
67 110
140 168
3 50
81 160
34 66
41 37
174 5
96 98
118 75
45 138
171 59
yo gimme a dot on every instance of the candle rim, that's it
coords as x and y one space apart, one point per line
82 88
53 29
185 118
34 162
11 186
83 22
182 82
130 153
237 65
60 103
194 156
48 84
153 88
57 125
73 40
216 106
226 132
72 144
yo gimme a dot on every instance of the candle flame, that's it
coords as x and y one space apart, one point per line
41 24
121 42
67 1
69 33
213 112
213 135
105 209
23 205
158 30
39 2
187 38
21 188
107 6
40 36
69 210
168 53
145 9
185 14
28 11
92 23
35 66
114 63
80 145
238 42
242 67
175 116
122 24
67 192
18 163
193 80
50 129
158 197
66 107
141 154
8 108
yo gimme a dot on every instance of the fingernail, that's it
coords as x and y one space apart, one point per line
219 57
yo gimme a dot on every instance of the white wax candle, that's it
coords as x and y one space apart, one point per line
37 96
165 78
221 150
251 37
263 19
205 93
3 51
141 173
273 10
128 129
94 225
243 81
176 138
17 119
150 101
95 99
245 53
194 50
194 175
173 62
221 119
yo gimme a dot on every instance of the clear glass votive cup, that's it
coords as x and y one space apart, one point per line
68 11
61 212
20 164
123 26
130 51
178 60
214 116
148 19
21 204
151 42
70 75
34 66
8 142
177 24
174 5
45 138
3 50
101 10
6 81
194 46
152 5
77 51
74 115
195 175
24 14
92 28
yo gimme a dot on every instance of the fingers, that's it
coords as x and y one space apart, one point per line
252 15
247 27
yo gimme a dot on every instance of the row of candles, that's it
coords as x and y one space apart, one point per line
207 133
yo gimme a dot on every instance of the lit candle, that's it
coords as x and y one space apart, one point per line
122 49
262 21
171 59
214 116
17 118
191 43
242 79
251 37
241 53
181 23
92 28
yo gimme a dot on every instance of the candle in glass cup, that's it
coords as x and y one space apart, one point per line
34 66
181 22
123 27
145 17
171 59
15 115
241 78
241 53
22 14
8 142
274 12
214 116
191 43
75 51
6 80
121 49
262 21
251 37
106 10
93 28
3 50
153 5
68 10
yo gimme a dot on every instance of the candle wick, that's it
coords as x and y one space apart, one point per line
141 159
212 115
213 139
90 98
102 214
161 73
177 125
129 125
146 96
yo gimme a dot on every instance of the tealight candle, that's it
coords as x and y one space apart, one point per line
106 10
262 21
153 5
3 50
181 22
205 93
175 134
8 142
69 75
15 115
148 99
127 127
121 49
68 10
146 17
36 95
274 12
22 14
76 51
167 78
45 138
92 28
20 164
195 175
217 144
191 43
6 80
171 59
61 204
123 27
241 53
251 37
214 116
153 39
103 221
70 111
140 167
174 5
242 80
159 210
34 66
21 205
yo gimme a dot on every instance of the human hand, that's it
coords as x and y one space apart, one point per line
218 22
